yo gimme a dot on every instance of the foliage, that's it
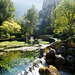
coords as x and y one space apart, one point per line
6 10
28 21
56 42
10 27
53 14
47 50
32 16
65 17
25 25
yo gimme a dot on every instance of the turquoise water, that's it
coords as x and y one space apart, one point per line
14 62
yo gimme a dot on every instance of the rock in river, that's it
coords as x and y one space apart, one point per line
59 59
49 71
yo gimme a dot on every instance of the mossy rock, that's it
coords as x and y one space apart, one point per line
53 70
44 71
49 71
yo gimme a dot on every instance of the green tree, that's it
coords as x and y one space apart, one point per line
65 18
53 14
6 10
32 16
10 27
25 25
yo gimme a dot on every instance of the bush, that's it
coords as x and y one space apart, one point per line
12 36
3 36
7 35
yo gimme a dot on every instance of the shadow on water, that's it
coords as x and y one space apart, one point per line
15 62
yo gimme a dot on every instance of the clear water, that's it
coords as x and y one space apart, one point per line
14 62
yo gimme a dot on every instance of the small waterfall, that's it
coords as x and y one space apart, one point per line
33 68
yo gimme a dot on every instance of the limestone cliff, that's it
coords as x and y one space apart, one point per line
47 8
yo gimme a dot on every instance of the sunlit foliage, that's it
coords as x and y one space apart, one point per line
6 10
10 27
65 18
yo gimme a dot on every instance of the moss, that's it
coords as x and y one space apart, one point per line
56 42
47 50
44 71
49 71
50 66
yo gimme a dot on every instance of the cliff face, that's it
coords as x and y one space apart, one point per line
47 8
45 16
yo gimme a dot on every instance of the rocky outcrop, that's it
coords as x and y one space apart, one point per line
71 51
70 60
47 8
50 56
53 58
61 50
69 43
65 54
51 53
59 59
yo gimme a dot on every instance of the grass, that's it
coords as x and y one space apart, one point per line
42 42
12 44
47 50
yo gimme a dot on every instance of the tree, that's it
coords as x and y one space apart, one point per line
65 18
32 16
25 25
6 10
53 14
10 27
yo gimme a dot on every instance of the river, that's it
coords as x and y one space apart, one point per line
14 62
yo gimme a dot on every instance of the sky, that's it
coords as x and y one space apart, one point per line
36 2
23 5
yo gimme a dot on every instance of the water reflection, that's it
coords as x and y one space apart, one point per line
16 61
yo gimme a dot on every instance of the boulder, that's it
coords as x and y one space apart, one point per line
50 54
54 70
49 71
50 61
71 51
70 60
61 50
44 71
59 59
